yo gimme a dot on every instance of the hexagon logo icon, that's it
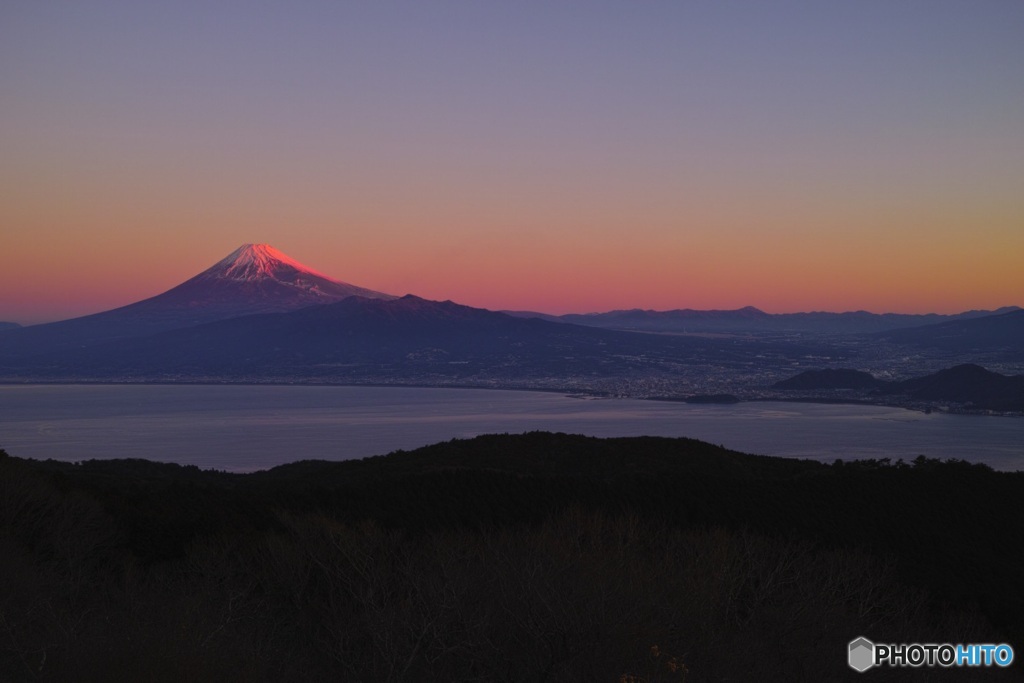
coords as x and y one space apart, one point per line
862 654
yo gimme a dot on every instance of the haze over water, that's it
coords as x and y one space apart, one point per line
245 428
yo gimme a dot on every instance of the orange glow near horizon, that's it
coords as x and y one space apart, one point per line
585 250
550 273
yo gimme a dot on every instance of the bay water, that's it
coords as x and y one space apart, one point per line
244 428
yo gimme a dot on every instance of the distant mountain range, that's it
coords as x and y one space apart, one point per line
750 320
967 384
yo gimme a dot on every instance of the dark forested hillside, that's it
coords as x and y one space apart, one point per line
502 558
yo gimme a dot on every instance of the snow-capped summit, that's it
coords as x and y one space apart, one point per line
254 261
280 281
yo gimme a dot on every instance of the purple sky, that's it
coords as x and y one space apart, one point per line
547 156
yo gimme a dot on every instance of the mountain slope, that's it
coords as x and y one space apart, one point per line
255 278
1003 334
406 340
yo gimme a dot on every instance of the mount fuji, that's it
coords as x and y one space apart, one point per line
255 278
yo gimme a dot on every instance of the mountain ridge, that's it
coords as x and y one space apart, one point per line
750 319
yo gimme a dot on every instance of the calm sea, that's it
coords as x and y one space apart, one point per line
245 428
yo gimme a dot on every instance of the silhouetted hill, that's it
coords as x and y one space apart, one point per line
967 384
970 385
1002 334
9 326
561 557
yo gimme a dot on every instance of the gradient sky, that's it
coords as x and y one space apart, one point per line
550 156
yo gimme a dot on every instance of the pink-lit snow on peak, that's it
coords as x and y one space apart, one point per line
273 280
256 261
